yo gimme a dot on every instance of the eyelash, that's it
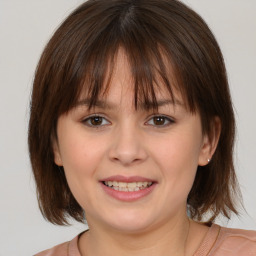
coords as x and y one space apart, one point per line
165 119
168 119
88 119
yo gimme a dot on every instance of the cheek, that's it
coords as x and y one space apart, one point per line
178 157
80 152
81 157
178 150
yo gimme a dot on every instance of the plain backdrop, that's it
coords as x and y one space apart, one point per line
25 27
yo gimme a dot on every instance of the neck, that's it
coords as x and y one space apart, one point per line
167 239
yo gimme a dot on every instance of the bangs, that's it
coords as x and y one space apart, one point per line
151 60
150 74
169 49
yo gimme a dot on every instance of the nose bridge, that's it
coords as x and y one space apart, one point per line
127 146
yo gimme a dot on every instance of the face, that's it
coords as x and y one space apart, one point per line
130 170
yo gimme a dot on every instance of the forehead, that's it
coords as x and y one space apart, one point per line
145 85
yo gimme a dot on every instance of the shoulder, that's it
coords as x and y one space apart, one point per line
235 242
65 249
58 250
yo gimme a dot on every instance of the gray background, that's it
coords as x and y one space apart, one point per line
25 27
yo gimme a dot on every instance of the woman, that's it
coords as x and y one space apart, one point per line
132 129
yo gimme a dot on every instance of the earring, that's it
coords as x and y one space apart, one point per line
208 160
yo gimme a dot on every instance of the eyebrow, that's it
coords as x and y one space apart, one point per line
108 105
98 103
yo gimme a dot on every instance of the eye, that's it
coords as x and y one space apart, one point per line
96 121
160 121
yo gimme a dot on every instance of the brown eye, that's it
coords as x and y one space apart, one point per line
96 121
160 121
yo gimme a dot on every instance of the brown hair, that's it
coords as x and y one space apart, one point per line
77 58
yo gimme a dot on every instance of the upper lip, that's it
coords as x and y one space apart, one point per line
127 179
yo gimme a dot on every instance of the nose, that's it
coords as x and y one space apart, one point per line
127 146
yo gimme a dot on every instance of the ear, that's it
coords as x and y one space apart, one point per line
56 152
210 142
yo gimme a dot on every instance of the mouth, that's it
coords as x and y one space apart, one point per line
128 189
128 186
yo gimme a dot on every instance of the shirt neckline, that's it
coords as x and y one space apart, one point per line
203 250
209 241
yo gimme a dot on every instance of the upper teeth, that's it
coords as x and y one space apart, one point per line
127 186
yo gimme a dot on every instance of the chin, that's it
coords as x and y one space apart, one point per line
130 222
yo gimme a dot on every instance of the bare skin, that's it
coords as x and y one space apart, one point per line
115 139
186 243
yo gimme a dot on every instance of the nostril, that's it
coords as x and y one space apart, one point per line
127 150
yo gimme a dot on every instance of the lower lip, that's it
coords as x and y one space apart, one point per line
128 196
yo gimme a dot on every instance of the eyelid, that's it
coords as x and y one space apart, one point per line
170 120
85 119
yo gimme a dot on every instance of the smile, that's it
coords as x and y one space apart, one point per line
127 186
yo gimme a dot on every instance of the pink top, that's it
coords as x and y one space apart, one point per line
218 241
